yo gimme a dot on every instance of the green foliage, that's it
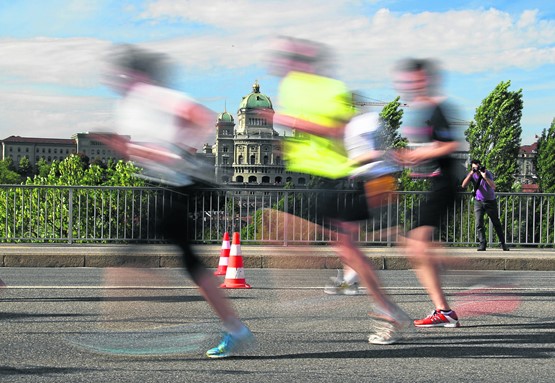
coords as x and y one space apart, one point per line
25 167
250 231
61 213
7 175
392 115
544 161
407 183
495 134
42 168
9 164
74 171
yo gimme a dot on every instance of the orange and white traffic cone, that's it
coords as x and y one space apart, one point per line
235 274
224 256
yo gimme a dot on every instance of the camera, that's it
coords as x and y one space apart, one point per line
482 168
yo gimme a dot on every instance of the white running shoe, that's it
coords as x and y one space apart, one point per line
338 286
389 325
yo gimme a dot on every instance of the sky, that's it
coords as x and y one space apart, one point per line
53 52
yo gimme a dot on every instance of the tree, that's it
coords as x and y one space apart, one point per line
544 161
9 164
74 171
42 168
392 115
61 212
25 167
84 159
7 175
494 135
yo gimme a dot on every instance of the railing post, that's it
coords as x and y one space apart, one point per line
70 218
389 221
285 217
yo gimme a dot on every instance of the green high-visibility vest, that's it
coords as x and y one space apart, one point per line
323 101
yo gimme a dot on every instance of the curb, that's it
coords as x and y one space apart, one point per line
274 257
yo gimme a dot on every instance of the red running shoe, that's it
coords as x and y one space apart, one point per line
439 319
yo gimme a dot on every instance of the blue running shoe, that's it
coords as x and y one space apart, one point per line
232 344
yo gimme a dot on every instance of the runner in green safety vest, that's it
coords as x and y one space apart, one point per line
317 108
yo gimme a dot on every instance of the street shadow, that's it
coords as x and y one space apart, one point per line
534 326
40 370
461 346
446 351
155 298
21 315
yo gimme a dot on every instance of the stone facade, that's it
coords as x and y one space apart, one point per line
250 152
526 170
56 149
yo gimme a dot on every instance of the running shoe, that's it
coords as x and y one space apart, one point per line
389 325
439 319
232 344
338 286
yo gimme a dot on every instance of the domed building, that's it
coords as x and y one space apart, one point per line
251 152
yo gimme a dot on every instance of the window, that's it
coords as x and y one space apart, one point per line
265 160
265 180
240 159
253 179
225 149
239 179
253 158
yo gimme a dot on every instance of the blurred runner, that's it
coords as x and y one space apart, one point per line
317 107
364 142
431 143
165 125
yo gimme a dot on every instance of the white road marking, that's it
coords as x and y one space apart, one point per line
97 287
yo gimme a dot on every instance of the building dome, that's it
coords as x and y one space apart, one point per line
256 100
225 117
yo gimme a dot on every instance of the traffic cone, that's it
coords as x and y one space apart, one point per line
235 274
224 256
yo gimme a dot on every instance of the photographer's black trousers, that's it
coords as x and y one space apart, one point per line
481 208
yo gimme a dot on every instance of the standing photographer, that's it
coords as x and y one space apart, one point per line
484 202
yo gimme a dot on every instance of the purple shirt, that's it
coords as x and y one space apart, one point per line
484 192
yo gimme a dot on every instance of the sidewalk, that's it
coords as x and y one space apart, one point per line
256 256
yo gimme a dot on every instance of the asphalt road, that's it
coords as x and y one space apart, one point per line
151 325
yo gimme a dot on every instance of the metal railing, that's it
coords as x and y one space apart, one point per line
79 214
